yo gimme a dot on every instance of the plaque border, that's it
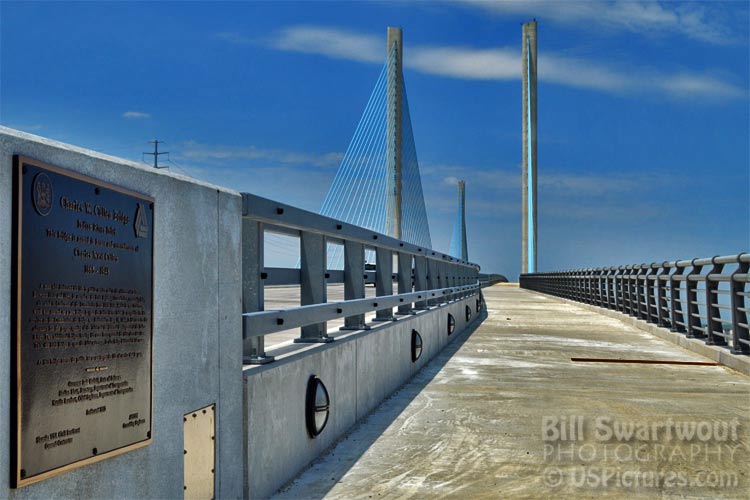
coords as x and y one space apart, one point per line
15 414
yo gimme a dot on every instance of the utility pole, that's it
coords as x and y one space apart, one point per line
156 152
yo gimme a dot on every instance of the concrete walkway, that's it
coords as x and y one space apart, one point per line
484 419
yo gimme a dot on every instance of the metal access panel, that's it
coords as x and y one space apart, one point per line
81 366
200 453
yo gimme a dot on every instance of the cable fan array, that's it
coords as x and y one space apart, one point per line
359 192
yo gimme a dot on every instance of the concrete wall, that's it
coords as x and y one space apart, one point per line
197 324
360 370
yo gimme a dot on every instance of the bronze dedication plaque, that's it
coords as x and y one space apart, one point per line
82 374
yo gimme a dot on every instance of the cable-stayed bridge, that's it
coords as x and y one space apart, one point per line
141 320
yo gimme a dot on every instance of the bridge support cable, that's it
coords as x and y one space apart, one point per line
378 184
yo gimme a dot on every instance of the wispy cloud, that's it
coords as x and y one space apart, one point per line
197 151
136 115
704 21
334 43
504 64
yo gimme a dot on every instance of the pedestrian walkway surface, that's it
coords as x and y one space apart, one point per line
505 413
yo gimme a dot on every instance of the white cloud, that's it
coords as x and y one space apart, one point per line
699 21
333 43
504 64
135 115
196 151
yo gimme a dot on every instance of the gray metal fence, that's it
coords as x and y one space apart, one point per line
702 298
425 278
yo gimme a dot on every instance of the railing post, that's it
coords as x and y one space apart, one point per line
662 306
636 291
650 283
693 320
432 281
313 283
739 304
713 314
420 281
384 281
675 298
642 285
354 282
571 286
404 280
625 277
594 286
621 290
644 310
253 348
611 298
632 291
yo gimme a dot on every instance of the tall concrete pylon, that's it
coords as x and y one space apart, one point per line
395 79
459 247
528 182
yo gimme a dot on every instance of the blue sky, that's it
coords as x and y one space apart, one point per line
643 109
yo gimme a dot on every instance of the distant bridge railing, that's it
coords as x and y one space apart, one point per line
425 278
702 298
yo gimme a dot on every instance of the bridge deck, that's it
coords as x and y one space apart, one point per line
470 424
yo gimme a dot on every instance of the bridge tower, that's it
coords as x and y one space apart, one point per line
459 247
394 127
378 184
528 182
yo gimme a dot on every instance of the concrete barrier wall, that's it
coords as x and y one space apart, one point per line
197 346
360 370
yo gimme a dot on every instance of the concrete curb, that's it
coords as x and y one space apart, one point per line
714 353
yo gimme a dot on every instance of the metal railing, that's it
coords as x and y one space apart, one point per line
702 298
425 278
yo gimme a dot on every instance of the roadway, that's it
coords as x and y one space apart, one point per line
479 421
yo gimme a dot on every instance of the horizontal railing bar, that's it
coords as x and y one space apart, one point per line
280 215
723 259
266 322
274 276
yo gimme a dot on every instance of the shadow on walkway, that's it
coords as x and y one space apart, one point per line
375 423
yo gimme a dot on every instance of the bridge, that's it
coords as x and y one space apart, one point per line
442 380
